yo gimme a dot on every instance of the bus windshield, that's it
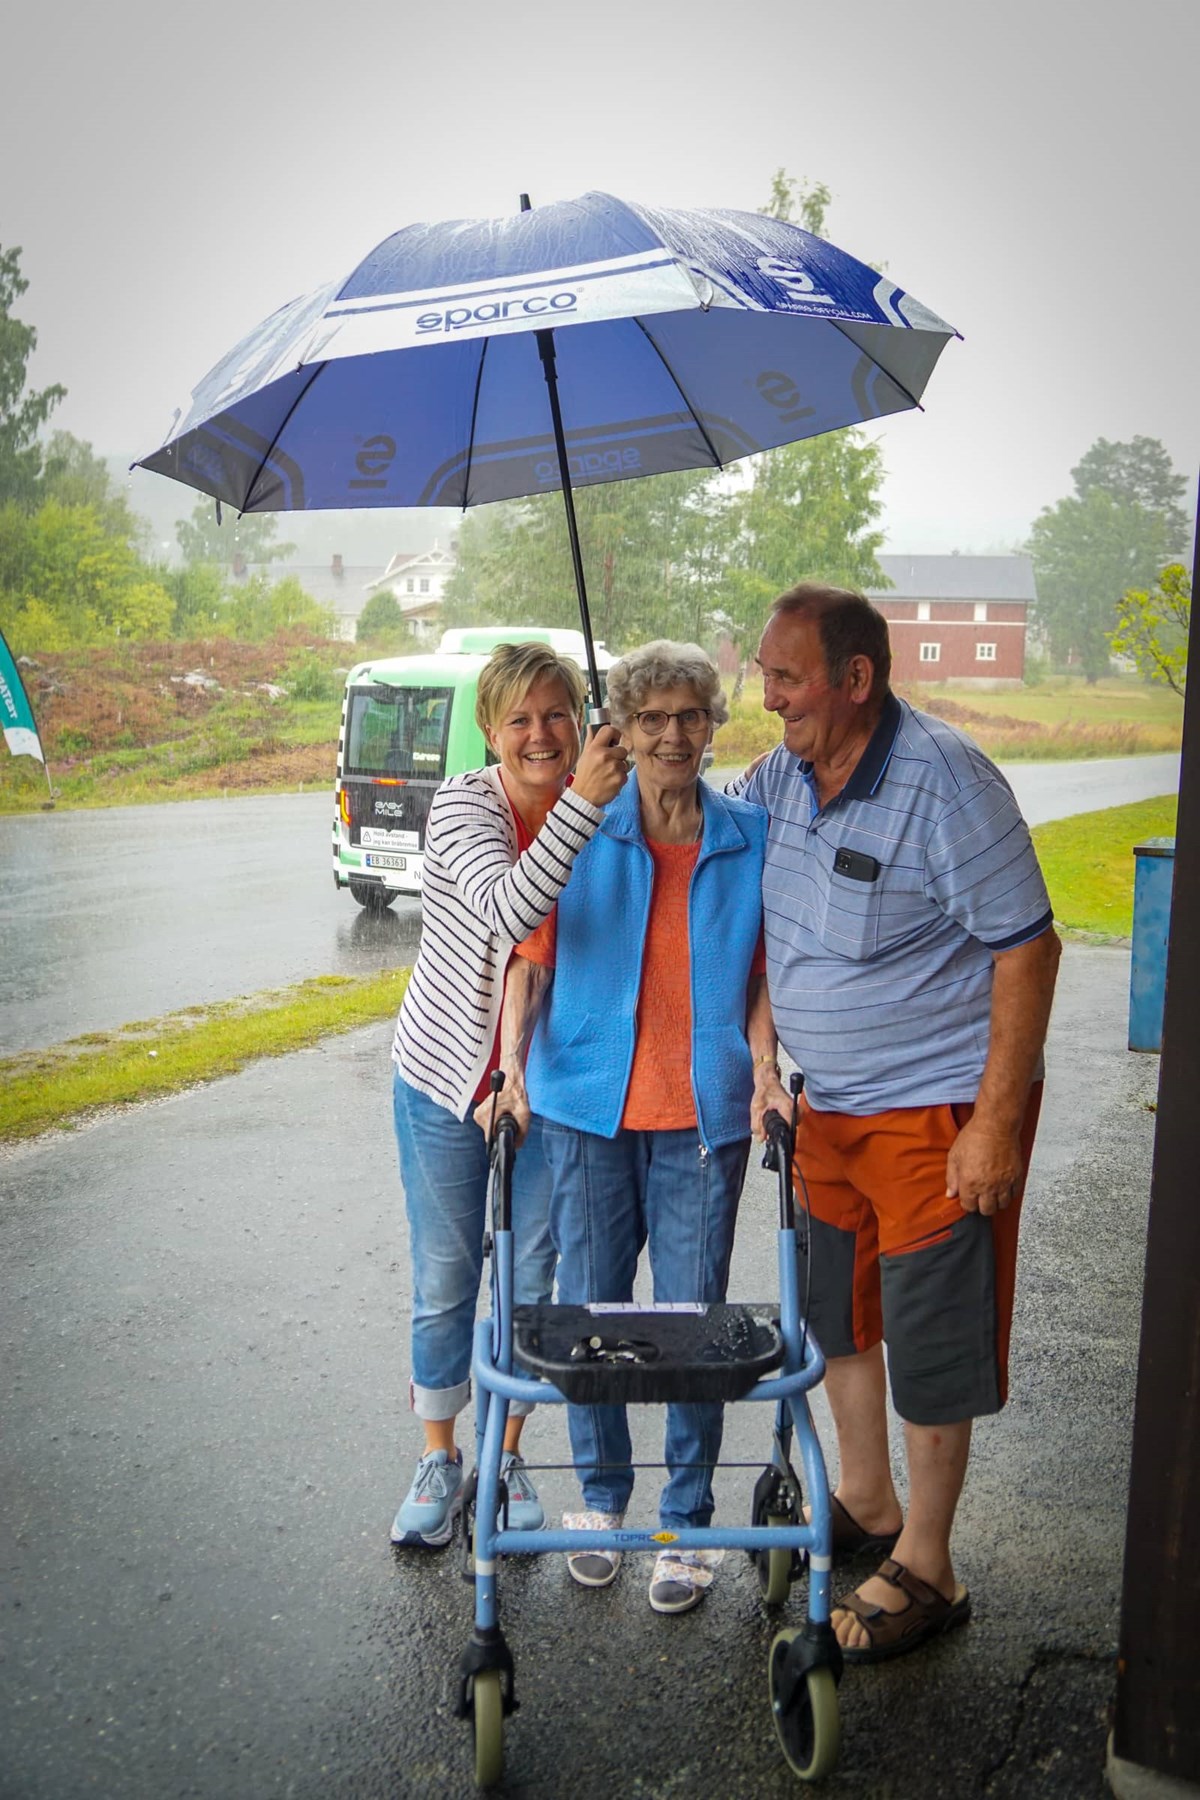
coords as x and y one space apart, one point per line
397 732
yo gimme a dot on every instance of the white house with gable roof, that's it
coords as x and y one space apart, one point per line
418 580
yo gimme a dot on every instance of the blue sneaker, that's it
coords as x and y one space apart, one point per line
435 1497
524 1508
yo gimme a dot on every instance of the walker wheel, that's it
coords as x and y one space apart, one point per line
775 1566
805 1710
774 1504
487 1714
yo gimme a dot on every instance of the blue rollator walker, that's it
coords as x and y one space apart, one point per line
609 1355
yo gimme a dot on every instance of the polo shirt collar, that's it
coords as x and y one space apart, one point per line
869 770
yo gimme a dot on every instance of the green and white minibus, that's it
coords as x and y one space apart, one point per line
407 723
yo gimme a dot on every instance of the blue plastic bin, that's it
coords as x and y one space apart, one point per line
1154 871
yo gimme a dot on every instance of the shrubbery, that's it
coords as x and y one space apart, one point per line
71 577
306 677
382 623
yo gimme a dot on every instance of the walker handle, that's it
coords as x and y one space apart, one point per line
778 1138
777 1155
503 1152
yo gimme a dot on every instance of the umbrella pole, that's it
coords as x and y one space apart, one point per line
597 715
545 343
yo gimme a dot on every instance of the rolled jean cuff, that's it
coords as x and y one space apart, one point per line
438 1403
447 1403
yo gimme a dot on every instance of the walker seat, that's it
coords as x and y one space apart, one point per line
608 1354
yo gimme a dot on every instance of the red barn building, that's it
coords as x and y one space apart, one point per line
957 618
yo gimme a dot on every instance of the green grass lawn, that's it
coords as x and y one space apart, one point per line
44 1089
1088 863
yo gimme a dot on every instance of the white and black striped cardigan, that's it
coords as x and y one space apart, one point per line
478 900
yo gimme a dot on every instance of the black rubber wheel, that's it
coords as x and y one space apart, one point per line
372 896
807 1722
487 1716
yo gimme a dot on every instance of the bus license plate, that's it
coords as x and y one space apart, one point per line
376 861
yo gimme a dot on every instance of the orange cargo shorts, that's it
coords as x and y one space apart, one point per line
893 1259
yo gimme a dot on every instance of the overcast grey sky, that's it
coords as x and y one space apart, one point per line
1028 170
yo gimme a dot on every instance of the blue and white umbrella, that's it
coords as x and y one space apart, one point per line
661 339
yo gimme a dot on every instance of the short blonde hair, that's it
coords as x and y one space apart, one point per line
663 664
512 669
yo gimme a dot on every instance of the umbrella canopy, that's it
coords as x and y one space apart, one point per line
682 339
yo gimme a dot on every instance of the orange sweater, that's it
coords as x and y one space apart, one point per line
660 1084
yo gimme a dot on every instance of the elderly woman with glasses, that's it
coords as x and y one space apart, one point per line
642 1005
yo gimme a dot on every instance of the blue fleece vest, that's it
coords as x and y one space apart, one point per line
581 1054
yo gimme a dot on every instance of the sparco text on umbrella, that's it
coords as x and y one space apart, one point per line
494 312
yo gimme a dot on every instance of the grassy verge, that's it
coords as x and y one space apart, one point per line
1088 863
62 1086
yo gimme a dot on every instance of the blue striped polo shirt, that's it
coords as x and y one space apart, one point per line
879 961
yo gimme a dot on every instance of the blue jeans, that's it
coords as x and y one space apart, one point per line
444 1169
610 1196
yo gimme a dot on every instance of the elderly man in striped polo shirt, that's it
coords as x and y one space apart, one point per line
911 963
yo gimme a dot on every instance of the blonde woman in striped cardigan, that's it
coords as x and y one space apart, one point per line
499 848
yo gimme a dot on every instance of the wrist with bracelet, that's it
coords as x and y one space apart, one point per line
768 1061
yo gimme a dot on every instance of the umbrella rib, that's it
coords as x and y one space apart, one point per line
474 415
712 448
282 427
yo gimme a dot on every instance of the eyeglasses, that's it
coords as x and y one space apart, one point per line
692 718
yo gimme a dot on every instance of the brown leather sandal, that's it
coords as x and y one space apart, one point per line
850 1538
927 1615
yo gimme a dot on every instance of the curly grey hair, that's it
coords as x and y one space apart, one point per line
663 664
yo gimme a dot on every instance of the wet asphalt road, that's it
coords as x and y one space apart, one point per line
126 914
203 1328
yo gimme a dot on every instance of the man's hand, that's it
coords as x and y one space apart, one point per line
603 765
769 1092
512 1099
985 1168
